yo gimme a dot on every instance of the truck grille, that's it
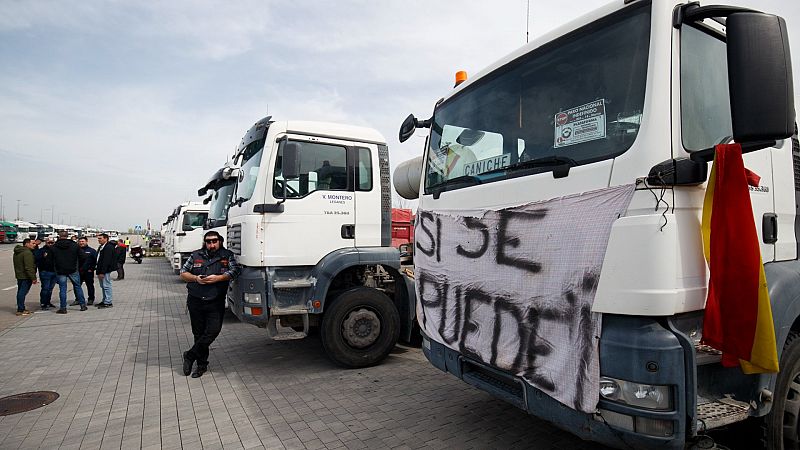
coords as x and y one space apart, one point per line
499 384
235 238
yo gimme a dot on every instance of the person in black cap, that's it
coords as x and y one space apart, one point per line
208 271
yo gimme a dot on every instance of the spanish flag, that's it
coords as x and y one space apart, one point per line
738 316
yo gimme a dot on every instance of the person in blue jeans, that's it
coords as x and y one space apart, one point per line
25 272
88 261
47 273
106 263
66 255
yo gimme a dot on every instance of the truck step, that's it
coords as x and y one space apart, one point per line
277 332
715 413
706 355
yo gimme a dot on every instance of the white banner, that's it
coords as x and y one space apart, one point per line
514 288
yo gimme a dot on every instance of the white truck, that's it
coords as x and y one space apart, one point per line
559 259
310 222
185 232
218 193
25 230
168 235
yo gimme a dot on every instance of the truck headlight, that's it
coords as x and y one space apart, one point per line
647 396
254 298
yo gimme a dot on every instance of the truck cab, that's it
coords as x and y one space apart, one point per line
310 223
26 230
218 193
561 195
10 231
186 232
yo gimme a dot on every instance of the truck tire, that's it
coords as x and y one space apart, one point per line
360 327
781 425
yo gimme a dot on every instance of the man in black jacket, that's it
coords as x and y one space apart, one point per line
65 260
106 263
208 273
47 273
88 261
121 251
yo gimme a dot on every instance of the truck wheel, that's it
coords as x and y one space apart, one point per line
781 424
360 328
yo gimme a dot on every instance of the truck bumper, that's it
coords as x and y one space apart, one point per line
247 297
614 423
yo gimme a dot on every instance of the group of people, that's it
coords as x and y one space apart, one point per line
66 261
207 272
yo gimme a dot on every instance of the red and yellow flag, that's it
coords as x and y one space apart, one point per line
738 316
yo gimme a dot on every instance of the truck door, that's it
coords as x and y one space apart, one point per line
763 196
319 211
368 190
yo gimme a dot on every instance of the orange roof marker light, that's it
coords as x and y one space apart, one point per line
461 76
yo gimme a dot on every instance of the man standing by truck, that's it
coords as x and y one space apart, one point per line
207 272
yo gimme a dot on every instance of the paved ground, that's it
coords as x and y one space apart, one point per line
117 372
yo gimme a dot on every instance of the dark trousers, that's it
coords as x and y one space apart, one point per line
48 280
206 317
24 286
121 271
88 278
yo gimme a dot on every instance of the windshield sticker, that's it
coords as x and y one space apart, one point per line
580 124
488 164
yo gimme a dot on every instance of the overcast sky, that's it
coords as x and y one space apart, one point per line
113 112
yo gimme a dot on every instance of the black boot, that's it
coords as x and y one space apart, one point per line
199 371
187 364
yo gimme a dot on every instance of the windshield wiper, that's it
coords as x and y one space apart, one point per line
561 165
462 181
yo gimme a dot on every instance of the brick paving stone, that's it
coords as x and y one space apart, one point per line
117 372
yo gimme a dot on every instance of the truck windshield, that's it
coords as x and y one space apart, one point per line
251 162
218 208
193 220
573 101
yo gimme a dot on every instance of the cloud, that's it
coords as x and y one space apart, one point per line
155 95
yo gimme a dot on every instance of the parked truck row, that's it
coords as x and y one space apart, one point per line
16 231
558 255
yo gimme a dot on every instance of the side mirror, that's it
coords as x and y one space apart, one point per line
408 128
410 125
291 161
759 77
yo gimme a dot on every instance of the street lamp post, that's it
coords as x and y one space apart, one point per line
18 202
